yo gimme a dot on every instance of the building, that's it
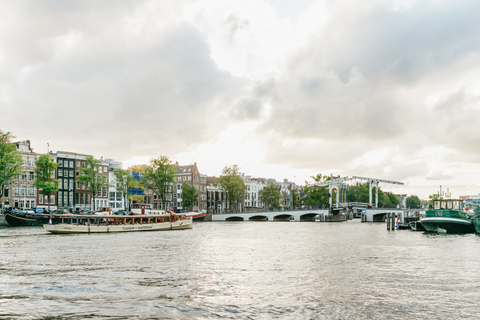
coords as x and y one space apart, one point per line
252 198
22 193
192 176
216 197
73 195
115 197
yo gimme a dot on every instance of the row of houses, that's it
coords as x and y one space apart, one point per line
73 196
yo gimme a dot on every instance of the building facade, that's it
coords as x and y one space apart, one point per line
22 194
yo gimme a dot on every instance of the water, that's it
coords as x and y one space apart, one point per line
241 270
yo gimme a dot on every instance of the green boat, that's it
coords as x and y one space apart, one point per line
476 221
447 216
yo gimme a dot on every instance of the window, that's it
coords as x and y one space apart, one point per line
60 172
31 176
24 176
105 169
78 163
40 199
24 190
17 190
71 164
60 163
52 198
31 191
71 174
31 162
189 178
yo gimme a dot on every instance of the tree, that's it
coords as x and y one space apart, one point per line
358 193
232 184
294 198
94 182
10 161
270 196
44 181
122 178
317 196
159 176
189 195
414 202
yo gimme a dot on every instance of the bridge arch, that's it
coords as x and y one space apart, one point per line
258 218
310 216
282 217
235 218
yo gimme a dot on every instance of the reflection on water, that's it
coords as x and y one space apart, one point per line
245 270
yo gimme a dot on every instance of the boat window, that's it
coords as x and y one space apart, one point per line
443 205
436 205
449 205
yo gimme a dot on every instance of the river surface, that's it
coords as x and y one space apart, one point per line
241 270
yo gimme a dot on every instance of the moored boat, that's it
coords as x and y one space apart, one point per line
447 216
29 218
476 221
108 223
196 216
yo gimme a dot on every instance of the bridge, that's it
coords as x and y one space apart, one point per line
367 215
296 215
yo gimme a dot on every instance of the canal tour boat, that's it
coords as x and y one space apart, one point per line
447 216
112 223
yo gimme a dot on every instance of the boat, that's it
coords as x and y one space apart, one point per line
476 220
112 223
196 216
417 226
447 216
26 218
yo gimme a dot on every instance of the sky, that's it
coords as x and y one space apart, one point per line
283 89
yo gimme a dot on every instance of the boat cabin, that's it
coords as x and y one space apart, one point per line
104 210
448 204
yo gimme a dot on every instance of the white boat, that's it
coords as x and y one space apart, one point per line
108 223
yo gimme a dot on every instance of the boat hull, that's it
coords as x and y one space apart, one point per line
417 226
476 223
197 216
64 228
447 225
26 219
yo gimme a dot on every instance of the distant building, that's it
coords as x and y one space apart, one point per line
115 197
216 197
22 194
191 175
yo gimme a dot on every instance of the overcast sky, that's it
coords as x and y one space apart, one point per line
284 89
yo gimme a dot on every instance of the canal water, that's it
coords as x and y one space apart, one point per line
241 270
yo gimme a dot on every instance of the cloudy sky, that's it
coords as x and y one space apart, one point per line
284 89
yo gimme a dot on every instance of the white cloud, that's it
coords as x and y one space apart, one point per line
387 89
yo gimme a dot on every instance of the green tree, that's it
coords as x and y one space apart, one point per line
233 185
93 182
122 178
358 192
414 202
159 176
317 196
270 196
10 161
189 195
44 180
294 198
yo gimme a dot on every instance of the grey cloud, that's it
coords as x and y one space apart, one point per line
124 90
